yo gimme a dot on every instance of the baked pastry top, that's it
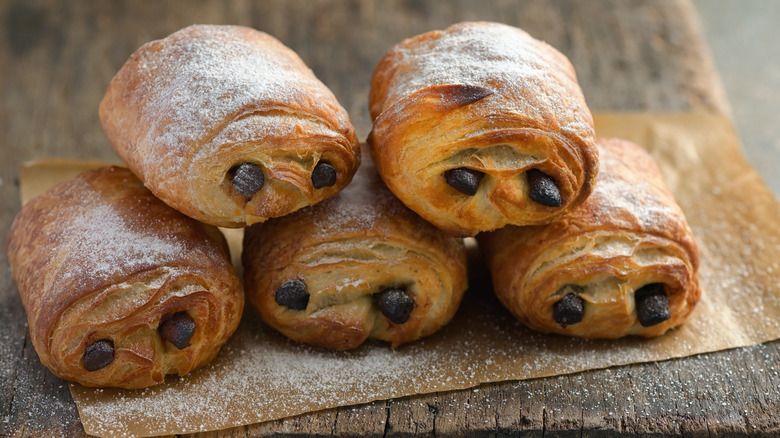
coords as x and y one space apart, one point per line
357 266
481 125
625 262
228 125
120 289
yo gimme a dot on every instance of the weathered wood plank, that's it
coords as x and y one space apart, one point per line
57 59
412 416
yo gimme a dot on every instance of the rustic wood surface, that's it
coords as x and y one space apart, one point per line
56 59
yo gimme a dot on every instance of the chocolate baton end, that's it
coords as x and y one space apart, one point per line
323 175
247 179
395 304
292 294
543 188
464 180
652 304
98 355
569 310
178 329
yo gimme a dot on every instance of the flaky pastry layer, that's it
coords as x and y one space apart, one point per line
491 99
630 236
346 250
100 259
184 111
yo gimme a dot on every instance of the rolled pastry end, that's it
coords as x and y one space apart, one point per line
120 289
395 303
248 178
239 142
480 126
167 334
337 294
645 292
640 312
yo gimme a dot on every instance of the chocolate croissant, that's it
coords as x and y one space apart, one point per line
120 289
357 266
479 126
623 263
229 126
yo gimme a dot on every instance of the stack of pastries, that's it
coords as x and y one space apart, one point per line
478 130
484 131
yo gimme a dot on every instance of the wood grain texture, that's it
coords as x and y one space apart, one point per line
58 57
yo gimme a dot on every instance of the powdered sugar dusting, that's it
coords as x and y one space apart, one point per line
611 195
475 56
102 243
203 76
358 201
347 283
623 189
362 202
487 54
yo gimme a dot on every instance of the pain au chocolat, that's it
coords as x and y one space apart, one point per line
229 126
480 126
623 263
354 267
120 289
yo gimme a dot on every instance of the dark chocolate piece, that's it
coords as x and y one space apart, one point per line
178 329
568 310
323 175
395 304
652 304
293 294
462 95
247 179
98 354
464 180
543 188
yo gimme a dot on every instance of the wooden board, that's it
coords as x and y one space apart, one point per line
56 59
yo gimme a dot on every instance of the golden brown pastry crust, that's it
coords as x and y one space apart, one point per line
99 257
628 234
487 97
185 109
346 249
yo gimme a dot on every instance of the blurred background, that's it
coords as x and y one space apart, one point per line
744 38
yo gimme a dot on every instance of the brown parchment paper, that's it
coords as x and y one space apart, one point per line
261 376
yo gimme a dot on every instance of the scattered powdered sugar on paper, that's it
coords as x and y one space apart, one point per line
264 378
